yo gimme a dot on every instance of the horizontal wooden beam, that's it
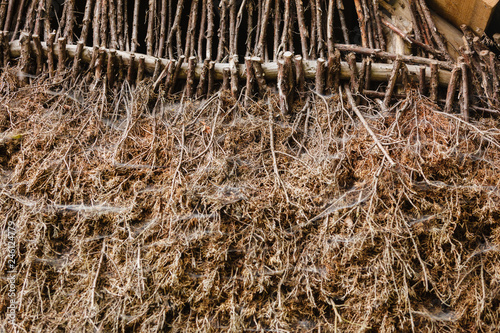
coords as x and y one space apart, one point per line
379 71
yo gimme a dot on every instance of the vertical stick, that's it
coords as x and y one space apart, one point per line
452 86
113 42
140 70
24 41
434 82
104 23
489 76
285 36
367 23
30 17
392 81
464 106
50 53
493 69
150 32
190 77
125 34
302 28
416 28
319 27
93 63
170 75
96 23
163 28
135 26
367 62
101 57
373 21
166 74
226 78
222 31
178 66
250 81
121 68
345 31
277 19
336 70
320 76
130 71
203 29
351 60
10 13
39 10
421 80
259 24
70 17
313 34
434 32
380 32
211 77
47 20
329 30
120 15
3 12
61 57
232 27
405 78
233 66
2 48
210 28
62 22
422 23
38 53
202 84
77 60
259 75
111 72
259 50
285 82
300 73
19 18
189 49
6 50
250 27
361 21
156 72
86 21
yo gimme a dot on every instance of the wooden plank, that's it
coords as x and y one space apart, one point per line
474 13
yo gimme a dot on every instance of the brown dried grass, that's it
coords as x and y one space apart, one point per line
141 213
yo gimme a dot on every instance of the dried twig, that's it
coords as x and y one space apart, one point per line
367 127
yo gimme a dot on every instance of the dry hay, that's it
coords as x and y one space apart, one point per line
137 213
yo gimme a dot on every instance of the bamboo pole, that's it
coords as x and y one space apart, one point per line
379 72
